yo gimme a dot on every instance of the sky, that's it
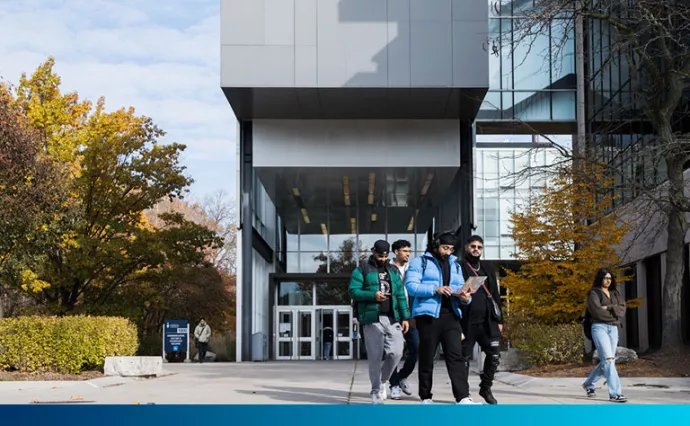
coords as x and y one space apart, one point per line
160 56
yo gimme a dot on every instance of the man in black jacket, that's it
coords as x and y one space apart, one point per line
479 320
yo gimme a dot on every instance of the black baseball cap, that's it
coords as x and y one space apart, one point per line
381 247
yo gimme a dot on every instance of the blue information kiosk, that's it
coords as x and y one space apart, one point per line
176 338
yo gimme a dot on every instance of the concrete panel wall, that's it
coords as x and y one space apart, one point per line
648 234
356 143
647 238
354 43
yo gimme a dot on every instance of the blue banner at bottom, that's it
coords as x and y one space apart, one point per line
340 415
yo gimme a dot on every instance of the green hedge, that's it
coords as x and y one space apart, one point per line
542 344
64 344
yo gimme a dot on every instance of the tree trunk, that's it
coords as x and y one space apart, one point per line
676 229
673 283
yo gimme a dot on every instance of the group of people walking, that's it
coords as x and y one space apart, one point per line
425 302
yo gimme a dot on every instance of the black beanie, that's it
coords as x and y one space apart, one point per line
447 238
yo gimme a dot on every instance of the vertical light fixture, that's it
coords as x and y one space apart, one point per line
427 184
410 226
305 216
346 191
372 185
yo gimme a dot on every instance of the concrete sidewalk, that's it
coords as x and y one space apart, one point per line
319 382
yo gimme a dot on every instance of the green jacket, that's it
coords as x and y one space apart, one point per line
364 283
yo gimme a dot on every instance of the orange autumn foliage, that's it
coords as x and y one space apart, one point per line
563 236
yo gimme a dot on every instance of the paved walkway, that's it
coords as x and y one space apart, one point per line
320 382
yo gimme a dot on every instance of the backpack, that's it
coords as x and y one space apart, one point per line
587 319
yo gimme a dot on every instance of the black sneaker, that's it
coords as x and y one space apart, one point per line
590 392
618 398
488 396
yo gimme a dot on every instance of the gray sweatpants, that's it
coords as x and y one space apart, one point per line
381 337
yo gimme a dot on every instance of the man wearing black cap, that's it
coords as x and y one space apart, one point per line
377 288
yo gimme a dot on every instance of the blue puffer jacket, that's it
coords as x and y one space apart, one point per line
422 285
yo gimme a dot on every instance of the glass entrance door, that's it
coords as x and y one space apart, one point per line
285 331
334 333
295 334
343 338
305 336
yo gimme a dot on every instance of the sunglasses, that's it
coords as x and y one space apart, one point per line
476 247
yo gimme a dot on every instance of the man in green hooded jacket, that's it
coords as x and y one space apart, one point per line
377 289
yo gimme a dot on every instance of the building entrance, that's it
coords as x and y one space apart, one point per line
313 333
312 317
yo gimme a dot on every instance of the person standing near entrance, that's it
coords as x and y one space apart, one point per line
434 281
377 288
327 342
402 250
480 323
202 334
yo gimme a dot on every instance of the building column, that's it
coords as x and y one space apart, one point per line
246 226
466 199
642 321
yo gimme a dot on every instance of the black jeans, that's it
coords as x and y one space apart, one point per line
447 330
412 341
491 346
202 347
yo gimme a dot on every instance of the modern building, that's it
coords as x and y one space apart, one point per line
621 137
359 120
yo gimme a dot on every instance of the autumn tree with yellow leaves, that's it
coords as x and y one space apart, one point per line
115 170
31 190
563 236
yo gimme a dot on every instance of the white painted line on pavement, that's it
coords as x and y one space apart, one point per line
88 382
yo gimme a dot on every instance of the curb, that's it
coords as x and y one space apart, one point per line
512 379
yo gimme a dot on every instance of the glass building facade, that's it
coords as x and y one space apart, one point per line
532 78
329 225
618 134
500 189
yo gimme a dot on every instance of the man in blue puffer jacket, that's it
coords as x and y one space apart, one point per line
434 281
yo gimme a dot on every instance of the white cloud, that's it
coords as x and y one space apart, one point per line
162 57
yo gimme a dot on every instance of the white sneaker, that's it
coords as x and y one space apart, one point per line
383 393
405 386
396 393
427 401
376 398
468 401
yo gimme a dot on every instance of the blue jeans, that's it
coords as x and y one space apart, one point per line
412 341
605 338
327 350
